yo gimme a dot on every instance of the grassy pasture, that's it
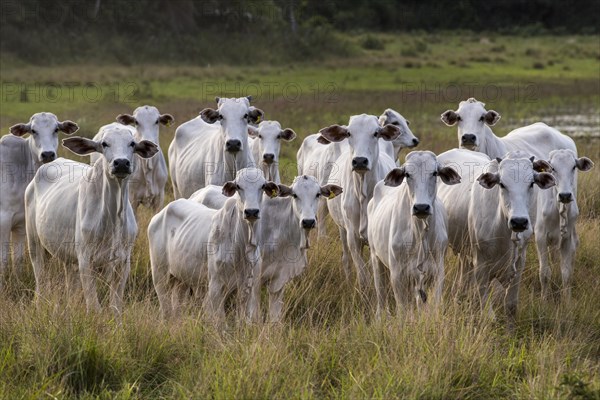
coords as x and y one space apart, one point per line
328 344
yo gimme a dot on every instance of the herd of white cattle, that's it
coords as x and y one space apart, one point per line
234 227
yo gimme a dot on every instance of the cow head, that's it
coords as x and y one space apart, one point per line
117 146
44 128
306 193
515 178
147 121
269 135
405 138
420 170
472 120
250 184
362 133
564 165
233 115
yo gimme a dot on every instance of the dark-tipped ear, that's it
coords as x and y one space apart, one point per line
20 129
491 117
255 115
68 127
395 177
488 180
541 166
166 119
125 119
81 146
285 191
449 175
249 98
229 188
287 134
584 164
334 133
145 149
388 132
271 189
544 180
331 191
322 140
209 115
450 117
217 99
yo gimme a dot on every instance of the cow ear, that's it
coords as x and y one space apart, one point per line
68 127
395 177
383 118
330 191
285 191
271 189
255 115
166 119
81 146
145 149
388 132
252 131
541 166
20 129
450 117
491 117
544 180
488 180
209 115
322 140
125 119
229 188
249 98
449 175
584 164
287 134
334 133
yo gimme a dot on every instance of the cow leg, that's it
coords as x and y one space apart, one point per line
345 254
483 280
88 283
5 226
511 298
117 286
162 285
18 242
355 245
401 292
438 284
214 302
567 254
179 297
379 270
253 298
321 218
543 256
276 305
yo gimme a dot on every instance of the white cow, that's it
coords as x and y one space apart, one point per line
21 158
81 214
147 183
285 227
212 147
178 238
320 161
501 220
361 167
474 133
407 230
265 142
557 214
234 257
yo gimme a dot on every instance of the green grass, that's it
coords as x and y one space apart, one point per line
328 345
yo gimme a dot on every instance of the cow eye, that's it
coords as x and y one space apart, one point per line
530 185
33 132
56 130
318 195
396 123
220 117
407 176
132 144
502 185
245 116
375 134
407 122
156 123
104 144
260 136
435 173
459 118
481 118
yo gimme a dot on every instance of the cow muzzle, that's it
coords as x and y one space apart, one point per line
47 156
565 197
251 214
308 223
421 210
360 164
519 224
121 168
269 158
233 146
468 140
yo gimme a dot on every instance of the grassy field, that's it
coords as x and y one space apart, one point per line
328 344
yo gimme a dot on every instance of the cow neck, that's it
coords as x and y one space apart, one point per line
492 145
563 217
114 196
34 161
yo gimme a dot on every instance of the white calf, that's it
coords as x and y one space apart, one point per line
265 142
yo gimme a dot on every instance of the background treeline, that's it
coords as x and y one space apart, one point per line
250 32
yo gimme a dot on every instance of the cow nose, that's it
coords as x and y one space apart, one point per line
468 139
360 163
233 145
251 213
121 165
269 158
48 156
565 197
519 224
415 141
421 209
308 223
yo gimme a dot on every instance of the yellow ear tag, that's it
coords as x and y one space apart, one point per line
170 123
331 195
274 193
